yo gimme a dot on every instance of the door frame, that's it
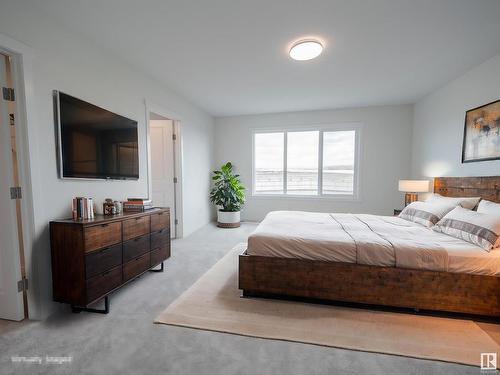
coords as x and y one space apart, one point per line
151 107
22 64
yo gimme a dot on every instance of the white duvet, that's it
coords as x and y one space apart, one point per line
366 239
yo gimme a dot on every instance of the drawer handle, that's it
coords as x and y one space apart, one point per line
102 250
160 213
138 218
137 239
104 225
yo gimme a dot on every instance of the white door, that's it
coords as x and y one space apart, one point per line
162 167
11 301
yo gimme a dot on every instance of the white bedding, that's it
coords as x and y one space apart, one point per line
367 239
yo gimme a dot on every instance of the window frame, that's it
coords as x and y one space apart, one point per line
345 126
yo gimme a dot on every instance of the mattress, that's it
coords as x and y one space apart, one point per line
368 239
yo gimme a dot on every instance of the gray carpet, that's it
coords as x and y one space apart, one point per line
127 342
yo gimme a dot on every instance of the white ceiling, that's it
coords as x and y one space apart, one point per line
230 56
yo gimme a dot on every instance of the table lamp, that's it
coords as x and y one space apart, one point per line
411 188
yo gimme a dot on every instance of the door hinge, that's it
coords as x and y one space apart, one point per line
22 285
176 221
8 94
174 137
16 192
175 180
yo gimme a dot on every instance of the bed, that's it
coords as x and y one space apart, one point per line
371 259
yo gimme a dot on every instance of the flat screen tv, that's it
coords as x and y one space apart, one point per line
95 143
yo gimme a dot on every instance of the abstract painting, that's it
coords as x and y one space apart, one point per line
482 133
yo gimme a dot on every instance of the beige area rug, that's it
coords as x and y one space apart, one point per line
214 303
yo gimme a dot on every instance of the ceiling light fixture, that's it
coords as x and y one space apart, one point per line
306 50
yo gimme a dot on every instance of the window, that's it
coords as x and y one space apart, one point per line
302 163
339 150
315 162
269 167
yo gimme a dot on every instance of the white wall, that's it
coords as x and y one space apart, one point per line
66 62
385 145
439 124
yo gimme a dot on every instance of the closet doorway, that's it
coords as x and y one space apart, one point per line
165 174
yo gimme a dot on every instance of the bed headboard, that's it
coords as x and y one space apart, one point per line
484 187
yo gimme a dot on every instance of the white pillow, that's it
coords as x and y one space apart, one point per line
488 207
465 202
425 213
471 226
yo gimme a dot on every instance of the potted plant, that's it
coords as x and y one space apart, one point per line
228 194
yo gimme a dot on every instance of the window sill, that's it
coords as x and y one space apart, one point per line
338 198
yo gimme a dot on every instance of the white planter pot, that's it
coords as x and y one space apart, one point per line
228 219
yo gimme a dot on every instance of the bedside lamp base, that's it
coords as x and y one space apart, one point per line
410 197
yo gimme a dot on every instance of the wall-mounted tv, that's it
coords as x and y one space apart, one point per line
94 143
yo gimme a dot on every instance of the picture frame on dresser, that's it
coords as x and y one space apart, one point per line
91 258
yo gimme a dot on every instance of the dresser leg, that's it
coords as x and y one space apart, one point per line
158 270
78 309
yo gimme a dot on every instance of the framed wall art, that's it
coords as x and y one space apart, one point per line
482 133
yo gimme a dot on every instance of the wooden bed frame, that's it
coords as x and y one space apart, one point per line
261 276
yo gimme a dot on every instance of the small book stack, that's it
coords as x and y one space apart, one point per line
82 208
137 205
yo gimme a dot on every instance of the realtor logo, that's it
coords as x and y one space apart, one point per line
488 361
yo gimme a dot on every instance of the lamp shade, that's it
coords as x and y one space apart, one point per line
414 186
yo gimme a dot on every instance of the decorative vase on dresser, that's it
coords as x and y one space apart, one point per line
93 257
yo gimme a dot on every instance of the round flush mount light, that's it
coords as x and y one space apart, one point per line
306 50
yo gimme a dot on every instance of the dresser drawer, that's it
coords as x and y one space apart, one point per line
98 286
135 227
160 221
158 239
159 255
102 260
134 248
136 266
103 235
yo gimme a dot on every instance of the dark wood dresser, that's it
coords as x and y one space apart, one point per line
93 257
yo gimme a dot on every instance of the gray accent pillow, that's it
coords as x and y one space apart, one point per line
471 226
425 213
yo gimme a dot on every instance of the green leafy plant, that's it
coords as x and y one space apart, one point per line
228 191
